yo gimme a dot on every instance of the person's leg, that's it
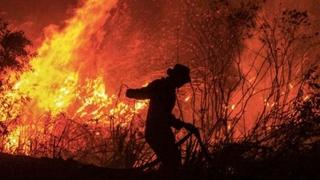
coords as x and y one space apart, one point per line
170 158
167 152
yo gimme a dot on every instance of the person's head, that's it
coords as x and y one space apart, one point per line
180 74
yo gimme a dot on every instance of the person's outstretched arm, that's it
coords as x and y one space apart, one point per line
141 93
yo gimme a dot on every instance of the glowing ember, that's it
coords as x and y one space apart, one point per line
306 98
187 99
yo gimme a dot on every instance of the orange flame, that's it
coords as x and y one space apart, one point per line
54 81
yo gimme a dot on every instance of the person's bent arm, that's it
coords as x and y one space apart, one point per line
178 124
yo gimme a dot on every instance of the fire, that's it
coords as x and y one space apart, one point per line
54 80
13 140
93 99
56 85
16 142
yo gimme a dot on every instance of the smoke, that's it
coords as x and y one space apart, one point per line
312 6
32 16
140 41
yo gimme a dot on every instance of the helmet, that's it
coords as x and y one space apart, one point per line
180 72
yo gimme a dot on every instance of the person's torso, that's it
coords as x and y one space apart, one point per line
161 104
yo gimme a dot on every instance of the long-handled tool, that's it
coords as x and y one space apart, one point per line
203 147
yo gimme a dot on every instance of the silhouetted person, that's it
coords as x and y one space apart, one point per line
158 134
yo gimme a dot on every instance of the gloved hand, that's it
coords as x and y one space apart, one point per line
191 128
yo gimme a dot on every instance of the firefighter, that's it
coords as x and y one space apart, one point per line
158 133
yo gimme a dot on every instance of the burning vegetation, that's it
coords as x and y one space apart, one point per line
52 109
255 92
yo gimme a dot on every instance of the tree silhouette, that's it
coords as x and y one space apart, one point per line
13 50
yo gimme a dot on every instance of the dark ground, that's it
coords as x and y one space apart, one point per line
23 167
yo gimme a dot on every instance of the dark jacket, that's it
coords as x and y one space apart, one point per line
162 95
